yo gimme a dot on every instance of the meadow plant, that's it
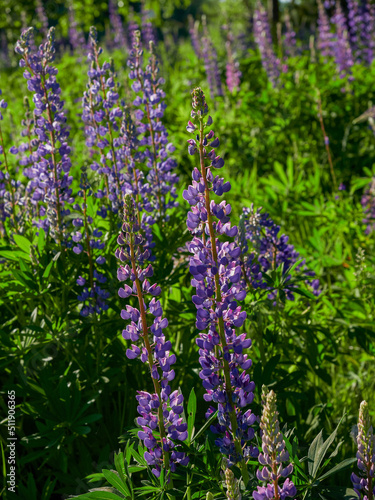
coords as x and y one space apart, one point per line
160 411
325 36
342 50
119 35
263 39
273 455
268 250
216 276
194 36
233 74
368 204
51 163
8 186
364 484
42 16
87 239
76 35
150 107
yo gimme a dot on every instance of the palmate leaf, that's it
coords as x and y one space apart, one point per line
318 449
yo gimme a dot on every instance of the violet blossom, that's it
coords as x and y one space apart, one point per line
342 50
273 454
149 112
101 115
368 204
263 249
233 74
194 36
216 278
50 168
160 411
120 40
87 239
325 37
262 35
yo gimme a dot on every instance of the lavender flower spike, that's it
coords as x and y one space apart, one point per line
274 454
364 485
216 277
368 204
161 410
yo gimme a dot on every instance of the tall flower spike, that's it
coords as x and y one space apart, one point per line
117 26
325 37
154 136
342 50
9 188
216 276
263 249
273 455
364 484
368 204
262 35
51 161
161 410
101 115
233 73
86 239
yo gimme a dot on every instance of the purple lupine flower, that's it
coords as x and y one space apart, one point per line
289 38
149 112
87 239
161 410
131 29
262 35
147 29
42 16
342 51
211 63
273 454
364 484
76 36
194 36
8 186
233 74
325 37
368 204
368 33
356 28
268 251
216 277
101 115
120 40
51 161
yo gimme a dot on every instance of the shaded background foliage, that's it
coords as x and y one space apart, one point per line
75 387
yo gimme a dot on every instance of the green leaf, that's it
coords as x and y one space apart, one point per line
341 466
192 410
99 495
114 479
205 426
23 243
313 450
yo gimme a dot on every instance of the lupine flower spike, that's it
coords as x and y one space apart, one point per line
364 484
368 204
51 162
216 277
273 455
232 485
161 410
